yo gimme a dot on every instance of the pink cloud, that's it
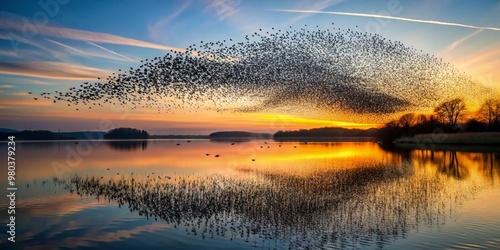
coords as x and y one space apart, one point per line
83 35
53 70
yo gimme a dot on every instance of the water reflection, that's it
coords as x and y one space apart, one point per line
129 145
294 195
333 208
457 164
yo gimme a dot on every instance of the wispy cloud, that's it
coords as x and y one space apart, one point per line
113 52
157 29
460 41
390 17
225 8
88 36
32 42
19 93
481 64
19 102
51 70
8 53
479 57
6 86
230 11
26 80
315 6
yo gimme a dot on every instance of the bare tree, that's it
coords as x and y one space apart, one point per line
421 119
451 111
490 112
407 120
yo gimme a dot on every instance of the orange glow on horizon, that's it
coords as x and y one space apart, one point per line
151 120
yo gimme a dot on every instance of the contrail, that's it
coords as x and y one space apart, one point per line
112 52
65 45
389 17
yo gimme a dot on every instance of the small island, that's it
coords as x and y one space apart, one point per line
126 133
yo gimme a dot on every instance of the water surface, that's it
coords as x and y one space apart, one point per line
176 194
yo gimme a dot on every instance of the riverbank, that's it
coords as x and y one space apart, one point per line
483 138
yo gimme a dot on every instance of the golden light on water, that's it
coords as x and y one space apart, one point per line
344 189
189 157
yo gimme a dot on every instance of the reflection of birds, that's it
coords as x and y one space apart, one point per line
206 204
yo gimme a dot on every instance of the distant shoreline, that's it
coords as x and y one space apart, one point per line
327 139
106 140
467 139
232 139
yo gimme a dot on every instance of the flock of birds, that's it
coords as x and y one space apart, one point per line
306 71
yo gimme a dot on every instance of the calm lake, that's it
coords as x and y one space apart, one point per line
203 194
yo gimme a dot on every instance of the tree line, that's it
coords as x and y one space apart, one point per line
450 117
326 132
118 133
126 133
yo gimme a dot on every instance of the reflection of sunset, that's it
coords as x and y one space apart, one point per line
113 236
60 204
461 165
61 211
165 156
168 157
353 184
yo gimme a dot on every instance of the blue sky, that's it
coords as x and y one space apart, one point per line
75 41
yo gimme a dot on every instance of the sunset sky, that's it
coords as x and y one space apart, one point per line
53 47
